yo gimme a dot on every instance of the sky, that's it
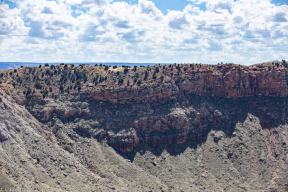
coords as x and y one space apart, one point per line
142 31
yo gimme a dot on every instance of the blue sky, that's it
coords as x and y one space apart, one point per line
156 31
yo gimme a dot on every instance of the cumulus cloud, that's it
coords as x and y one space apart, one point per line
85 3
117 31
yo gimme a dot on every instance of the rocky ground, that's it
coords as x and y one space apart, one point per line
202 128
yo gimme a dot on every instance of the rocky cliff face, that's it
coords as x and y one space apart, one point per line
172 105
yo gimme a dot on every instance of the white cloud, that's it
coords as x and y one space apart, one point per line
241 32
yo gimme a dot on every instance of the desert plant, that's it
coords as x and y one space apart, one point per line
40 66
61 87
28 91
38 85
157 69
120 81
154 75
139 82
146 74
126 70
46 65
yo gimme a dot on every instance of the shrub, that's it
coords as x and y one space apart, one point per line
15 70
154 76
65 65
117 72
38 85
52 66
21 66
146 74
135 68
14 84
40 66
50 89
96 65
120 81
1 74
139 82
157 69
128 82
46 65
162 77
100 64
185 68
126 70
61 63
61 87
106 68
28 91
10 73
0 82
115 66
45 93
72 65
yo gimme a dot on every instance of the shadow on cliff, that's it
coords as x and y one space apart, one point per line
271 112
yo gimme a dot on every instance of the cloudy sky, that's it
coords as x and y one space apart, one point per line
164 31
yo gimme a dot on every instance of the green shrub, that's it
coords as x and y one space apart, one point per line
120 81
38 85
157 69
21 66
15 70
50 89
154 76
61 87
46 65
115 66
61 63
40 66
117 72
28 91
128 82
96 65
146 74
135 68
45 93
0 82
106 68
1 74
139 82
126 70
